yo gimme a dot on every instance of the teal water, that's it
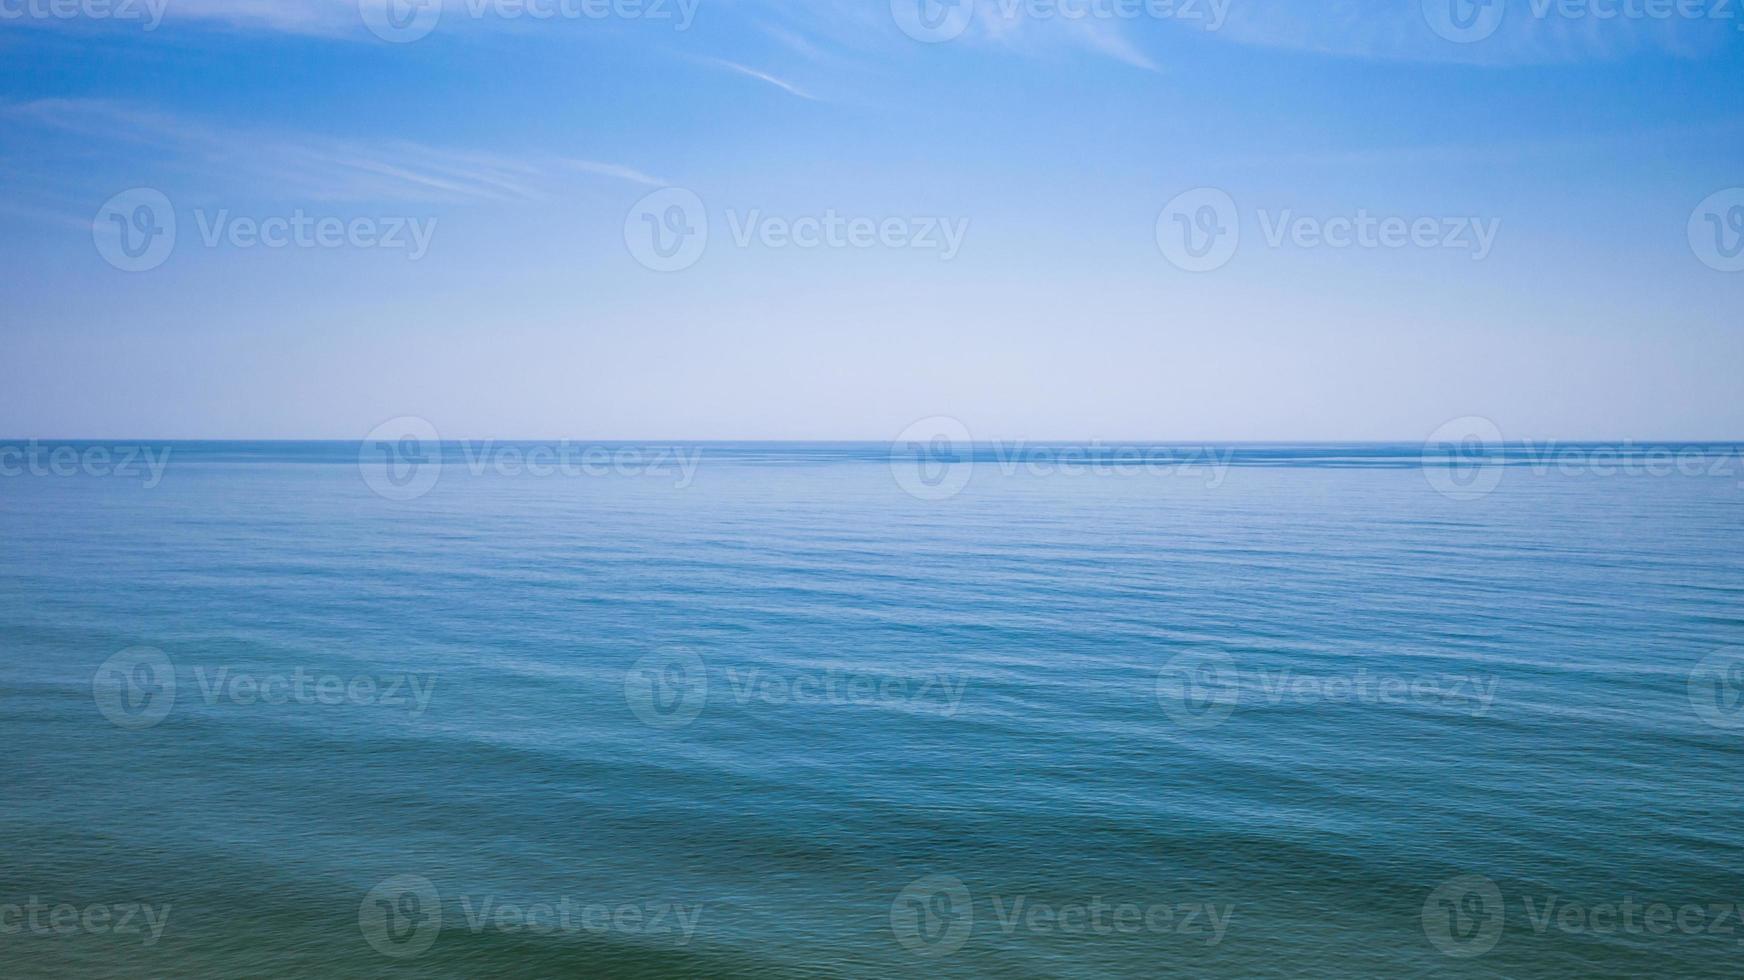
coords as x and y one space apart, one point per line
1312 711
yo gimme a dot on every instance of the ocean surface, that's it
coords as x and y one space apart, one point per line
759 710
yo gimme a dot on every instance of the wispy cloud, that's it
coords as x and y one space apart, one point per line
300 165
761 76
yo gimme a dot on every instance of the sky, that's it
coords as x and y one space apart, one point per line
1272 220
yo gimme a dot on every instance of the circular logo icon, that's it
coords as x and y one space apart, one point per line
933 21
1716 231
1716 689
401 459
933 459
667 230
1464 916
400 21
933 916
401 917
1464 21
667 688
136 688
1200 230
1462 459
135 231
1199 690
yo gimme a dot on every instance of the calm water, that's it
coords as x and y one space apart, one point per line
1321 710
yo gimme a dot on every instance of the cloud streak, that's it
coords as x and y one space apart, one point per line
303 166
761 76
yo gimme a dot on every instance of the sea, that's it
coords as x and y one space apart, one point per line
852 710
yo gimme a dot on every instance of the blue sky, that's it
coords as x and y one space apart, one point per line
1595 152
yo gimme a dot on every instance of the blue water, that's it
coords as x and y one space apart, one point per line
1294 713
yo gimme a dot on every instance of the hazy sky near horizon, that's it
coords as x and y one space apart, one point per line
1025 226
